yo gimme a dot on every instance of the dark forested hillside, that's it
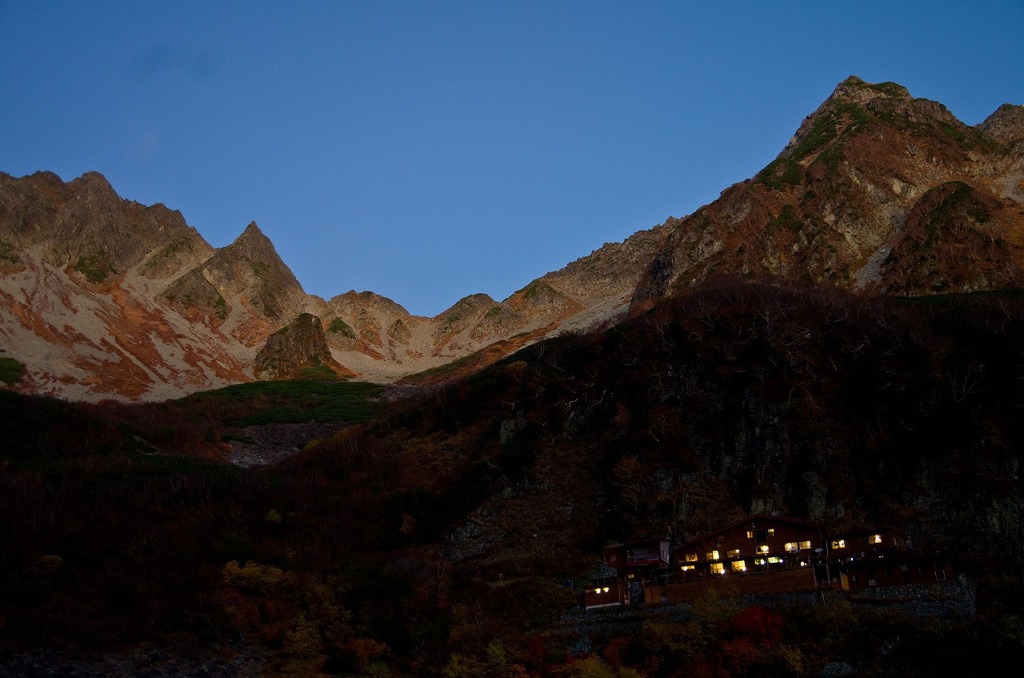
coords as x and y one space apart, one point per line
747 397
442 535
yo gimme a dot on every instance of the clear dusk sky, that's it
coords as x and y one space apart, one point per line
430 150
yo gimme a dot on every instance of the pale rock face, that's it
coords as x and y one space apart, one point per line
101 297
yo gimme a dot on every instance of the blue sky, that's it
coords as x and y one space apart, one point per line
430 150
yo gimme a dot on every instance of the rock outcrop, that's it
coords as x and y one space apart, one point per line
1006 124
298 345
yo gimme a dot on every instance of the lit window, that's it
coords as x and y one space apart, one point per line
875 539
711 555
687 568
739 566
690 557
597 590
732 553
750 534
771 531
759 561
763 548
717 568
605 589
805 544
792 546
839 544
774 560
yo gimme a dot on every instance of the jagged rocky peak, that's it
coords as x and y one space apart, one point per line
474 304
253 236
298 345
1006 124
29 207
248 271
832 208
462 315
856 89
352 303
254 245
251 266
93 183
86 225
854 101
368 317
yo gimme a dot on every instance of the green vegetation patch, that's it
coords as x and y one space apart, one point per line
220 307
889 88
441 370
317 372
11 370
95 267
961 199
316 398
168 251
7 253
968 137
339 326
535 288
787 218
38 430
824 131
959 203
259 268
780 173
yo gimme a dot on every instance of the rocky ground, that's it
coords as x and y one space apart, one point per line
267 444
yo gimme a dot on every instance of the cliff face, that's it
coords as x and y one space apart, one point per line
878 192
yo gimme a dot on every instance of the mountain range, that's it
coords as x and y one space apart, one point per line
878 193
837 339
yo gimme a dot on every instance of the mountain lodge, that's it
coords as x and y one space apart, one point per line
762 554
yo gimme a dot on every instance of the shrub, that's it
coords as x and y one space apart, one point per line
95 267
11 371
